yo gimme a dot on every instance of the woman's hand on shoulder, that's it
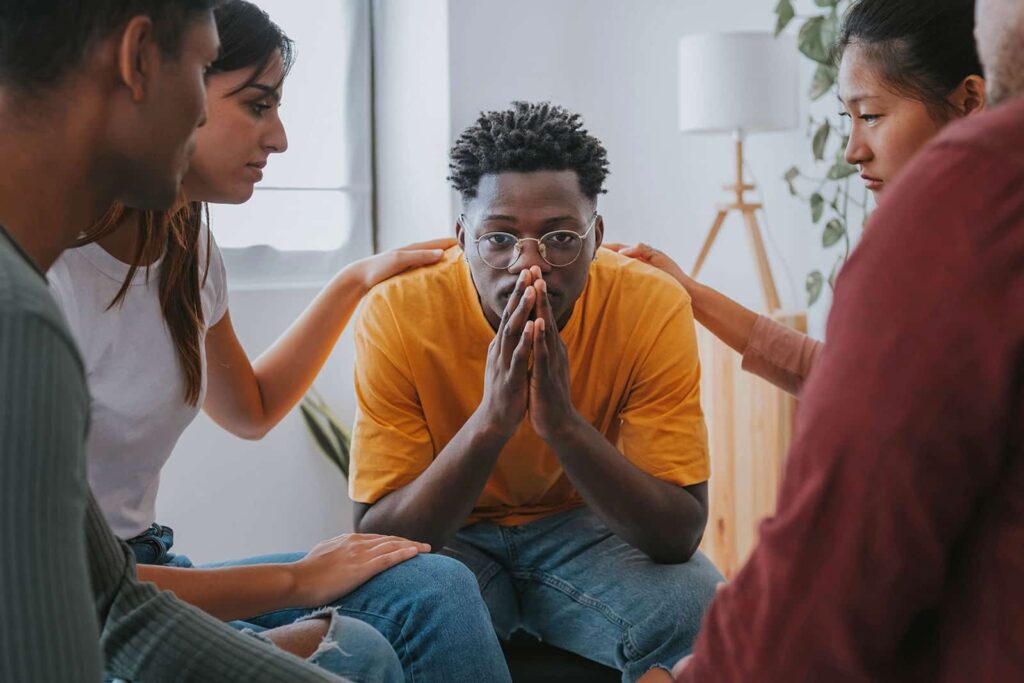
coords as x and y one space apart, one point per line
373 270
658 259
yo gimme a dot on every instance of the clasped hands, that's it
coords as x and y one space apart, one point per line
528 366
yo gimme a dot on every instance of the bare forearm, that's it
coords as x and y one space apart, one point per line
229 592
249 399
435 506
723 317
659 518
285 371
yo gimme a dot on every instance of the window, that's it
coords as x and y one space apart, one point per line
313 211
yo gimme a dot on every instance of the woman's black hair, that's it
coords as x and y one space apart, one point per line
924 49
248 38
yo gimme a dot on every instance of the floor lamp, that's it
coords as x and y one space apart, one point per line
739 83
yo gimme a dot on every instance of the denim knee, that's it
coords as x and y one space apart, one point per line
668 629
450 580
356 651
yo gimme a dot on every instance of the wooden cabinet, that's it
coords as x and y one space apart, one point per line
750 428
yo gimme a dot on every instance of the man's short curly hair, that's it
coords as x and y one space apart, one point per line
528 137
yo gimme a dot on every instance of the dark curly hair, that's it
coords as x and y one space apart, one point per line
528 137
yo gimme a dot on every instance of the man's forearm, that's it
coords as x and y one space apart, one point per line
659 518
434 507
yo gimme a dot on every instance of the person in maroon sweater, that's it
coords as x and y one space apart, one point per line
897 553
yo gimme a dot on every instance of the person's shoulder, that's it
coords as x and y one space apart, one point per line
415 295
998 132
23 289
634 285
421 286
26 298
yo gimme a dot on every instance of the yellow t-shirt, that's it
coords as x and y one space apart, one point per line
421 349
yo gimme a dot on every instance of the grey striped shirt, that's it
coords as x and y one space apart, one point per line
70 603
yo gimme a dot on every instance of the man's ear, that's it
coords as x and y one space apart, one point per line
136 55
460 233
598 233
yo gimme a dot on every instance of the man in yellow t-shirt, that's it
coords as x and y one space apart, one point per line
531 406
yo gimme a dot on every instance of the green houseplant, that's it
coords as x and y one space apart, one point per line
826 186
332 439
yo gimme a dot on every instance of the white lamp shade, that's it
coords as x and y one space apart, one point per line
746 82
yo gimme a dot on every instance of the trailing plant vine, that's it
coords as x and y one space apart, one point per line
827 186
331 437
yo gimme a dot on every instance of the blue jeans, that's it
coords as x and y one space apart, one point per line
428 609
569 581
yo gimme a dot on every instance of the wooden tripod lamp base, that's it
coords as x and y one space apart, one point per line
749 213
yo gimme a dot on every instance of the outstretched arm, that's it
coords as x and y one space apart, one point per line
771 350
248 399
330 571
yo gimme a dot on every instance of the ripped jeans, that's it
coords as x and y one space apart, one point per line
352 649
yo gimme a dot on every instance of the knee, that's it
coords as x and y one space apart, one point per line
354 649
446 580
693 588
684 593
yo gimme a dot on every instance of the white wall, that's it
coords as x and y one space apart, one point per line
441 62
413 119
229 498
615 62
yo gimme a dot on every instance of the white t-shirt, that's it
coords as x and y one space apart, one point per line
134 375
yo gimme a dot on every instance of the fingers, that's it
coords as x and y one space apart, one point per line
369 542
510 307
639 251
440 243
511 325
407 259
540 348
388 560
521 355
517 324
390 543
544 311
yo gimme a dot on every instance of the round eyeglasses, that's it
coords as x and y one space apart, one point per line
501 250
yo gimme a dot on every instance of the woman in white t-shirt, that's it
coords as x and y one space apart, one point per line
146 298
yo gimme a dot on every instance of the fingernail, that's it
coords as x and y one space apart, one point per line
540 324
529 327
438 253
543 286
